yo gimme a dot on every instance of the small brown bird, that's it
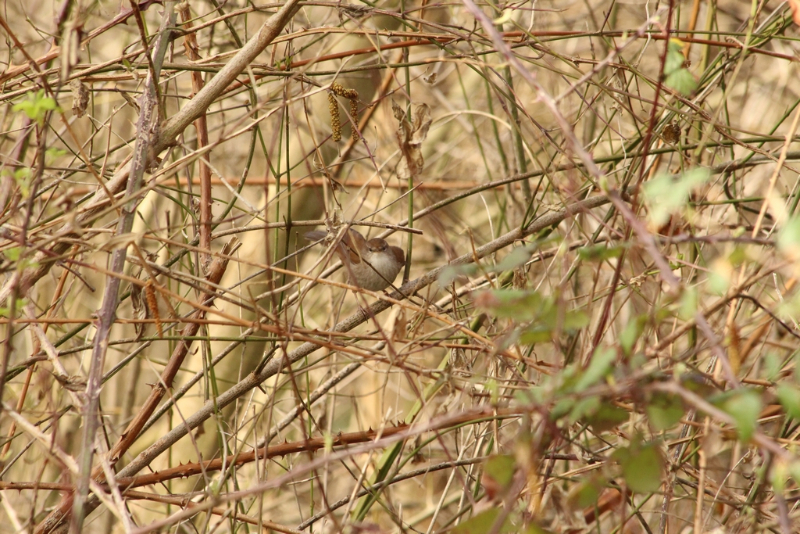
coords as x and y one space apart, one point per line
370 264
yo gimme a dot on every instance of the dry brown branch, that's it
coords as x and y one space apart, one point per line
598 322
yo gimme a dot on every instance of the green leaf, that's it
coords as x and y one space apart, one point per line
6 311
789 307
666 195
501 469
536 334
494 391
631 333
738 256
514 303
677 76
744 406
13 253
642 466
789 238
682 81
532 395
449 274
599 253
599 367
697 383
36 105
664 411
562 407
772 366
22 177
796 360
584 407
514 259
794 471
483 522
541 330
607 417
789 396
778 475
675 58
587 492
687 307
52 153
574 320
597 413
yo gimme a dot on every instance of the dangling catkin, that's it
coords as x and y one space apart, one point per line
333 107
336 127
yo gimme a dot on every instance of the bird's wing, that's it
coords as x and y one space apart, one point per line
354 242
315 235
399 254
342 249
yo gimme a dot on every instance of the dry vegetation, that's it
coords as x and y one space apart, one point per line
597 332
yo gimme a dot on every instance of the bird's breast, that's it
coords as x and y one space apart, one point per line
365 274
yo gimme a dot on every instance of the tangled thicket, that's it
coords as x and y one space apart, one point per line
596 330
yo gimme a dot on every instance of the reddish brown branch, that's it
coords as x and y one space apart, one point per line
128 437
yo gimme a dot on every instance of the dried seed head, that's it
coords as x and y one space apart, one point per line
354 115
338 90
336 127
672 132
152 305
80 97
352 95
